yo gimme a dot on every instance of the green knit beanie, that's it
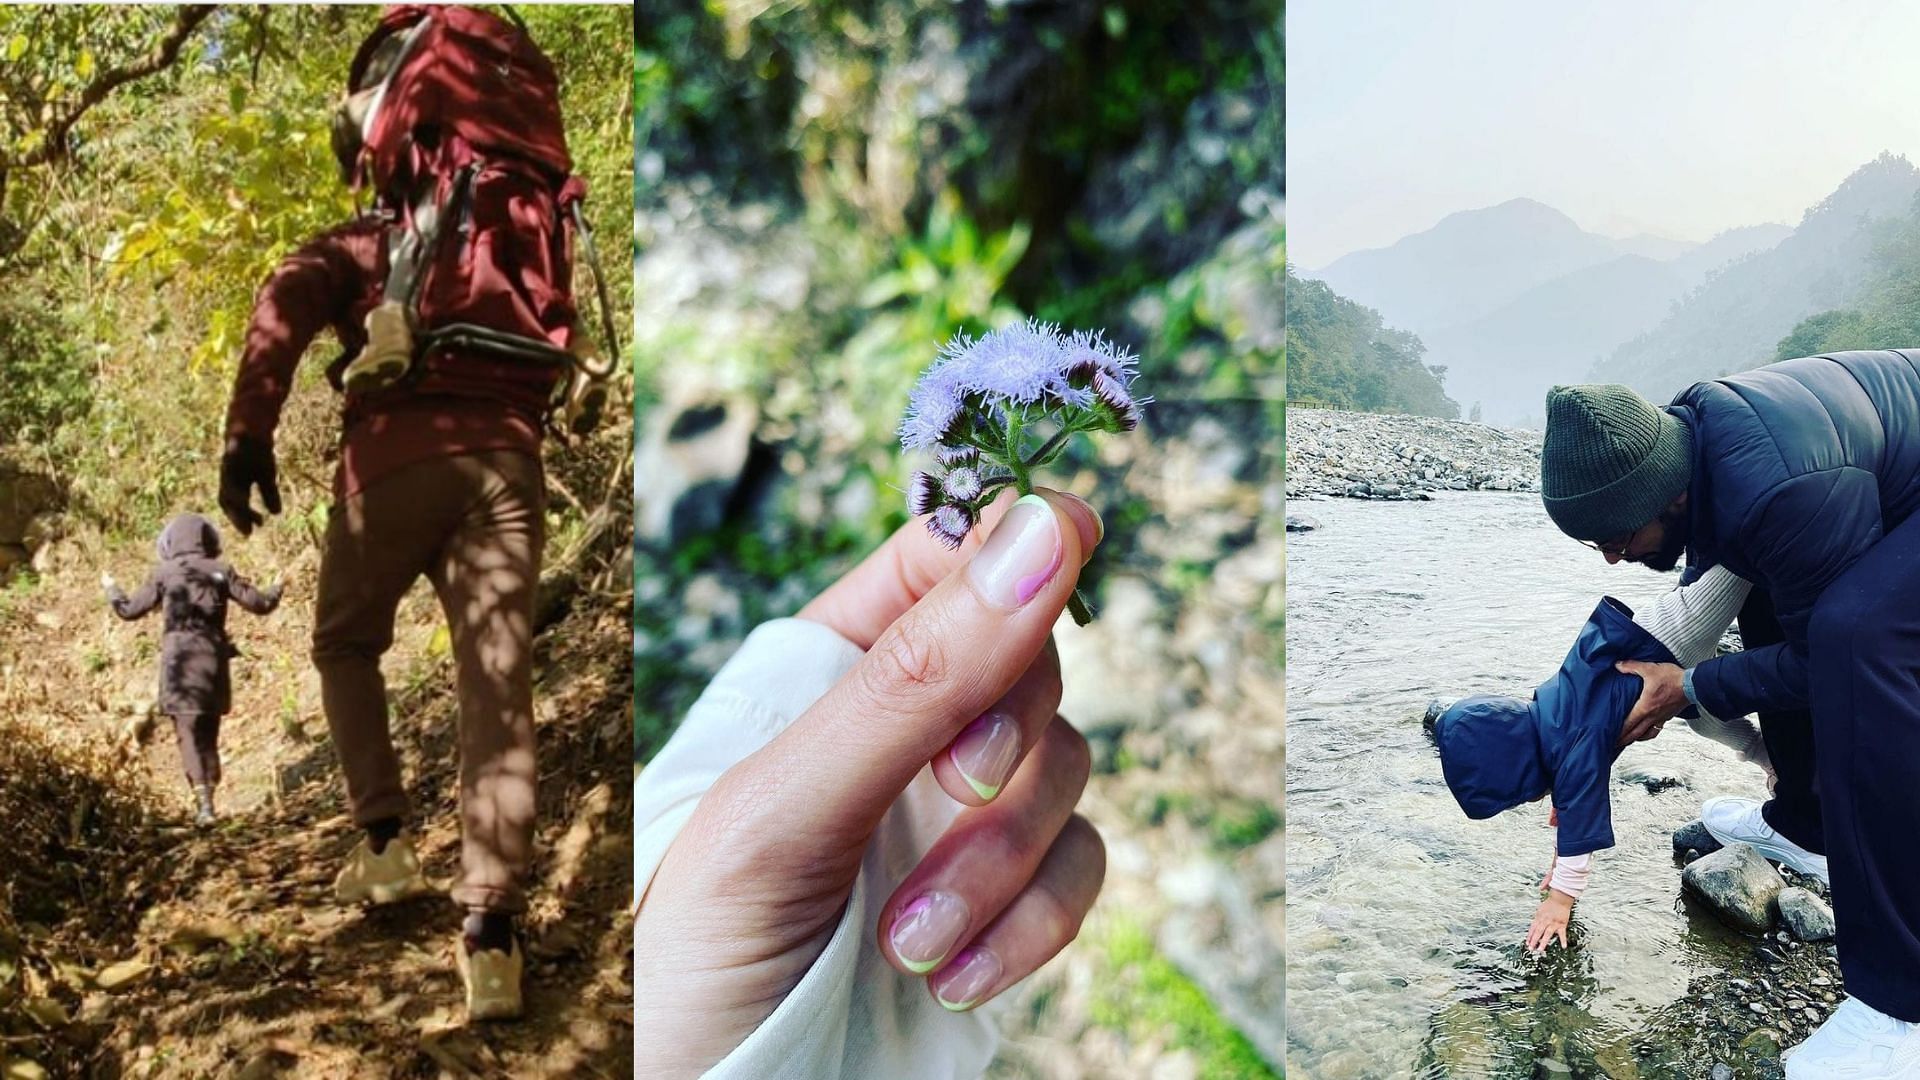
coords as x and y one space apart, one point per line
1612 460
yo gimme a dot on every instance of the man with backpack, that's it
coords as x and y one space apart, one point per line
469 244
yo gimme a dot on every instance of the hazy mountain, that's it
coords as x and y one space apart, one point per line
1555 332
1736 319
1466 266
1703 259
1649 246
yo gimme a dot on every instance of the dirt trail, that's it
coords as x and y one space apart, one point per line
132 944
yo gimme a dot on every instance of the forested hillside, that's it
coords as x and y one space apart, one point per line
1341 355
1737 318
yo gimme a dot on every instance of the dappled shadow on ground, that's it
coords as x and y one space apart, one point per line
221 952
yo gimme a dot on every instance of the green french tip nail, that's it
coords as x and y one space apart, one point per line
922 969
985 791
1031 498
955 1006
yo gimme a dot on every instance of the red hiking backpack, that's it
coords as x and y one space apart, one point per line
453 120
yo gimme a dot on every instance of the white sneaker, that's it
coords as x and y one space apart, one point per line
388 877
1734 820
1858 1042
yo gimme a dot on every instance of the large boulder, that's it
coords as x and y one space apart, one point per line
1738 884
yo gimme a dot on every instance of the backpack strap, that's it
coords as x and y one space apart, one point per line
572 195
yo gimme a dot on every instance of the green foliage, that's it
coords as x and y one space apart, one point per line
1242 823
1885 312
141 249
947 279
48 379
1340 354
1143 995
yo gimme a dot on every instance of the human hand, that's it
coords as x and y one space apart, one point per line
1550 922
106 580
960 671
246 464
1662 697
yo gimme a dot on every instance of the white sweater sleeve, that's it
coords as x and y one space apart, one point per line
852 1016
1689 620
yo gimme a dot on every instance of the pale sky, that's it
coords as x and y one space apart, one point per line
1676 119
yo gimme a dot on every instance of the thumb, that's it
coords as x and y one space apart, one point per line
933 670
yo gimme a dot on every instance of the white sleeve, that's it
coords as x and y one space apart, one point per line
852 1016
1690 619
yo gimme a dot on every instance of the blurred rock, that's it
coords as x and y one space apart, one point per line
689 461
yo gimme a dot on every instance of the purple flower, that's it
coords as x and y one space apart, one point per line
923 494
949 524
1030 363
1112 394
985 402
962 485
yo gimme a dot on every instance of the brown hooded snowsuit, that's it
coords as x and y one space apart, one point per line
195 680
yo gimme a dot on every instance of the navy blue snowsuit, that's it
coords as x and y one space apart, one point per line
1500 752
1806 476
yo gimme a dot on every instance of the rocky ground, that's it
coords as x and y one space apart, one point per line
1375 456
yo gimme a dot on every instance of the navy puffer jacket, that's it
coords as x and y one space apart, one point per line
1500 752
1798 468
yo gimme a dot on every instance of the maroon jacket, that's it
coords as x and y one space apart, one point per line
458 405
194 587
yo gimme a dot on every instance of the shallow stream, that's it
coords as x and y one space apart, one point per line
1405 919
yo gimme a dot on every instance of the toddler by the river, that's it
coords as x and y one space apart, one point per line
1501 752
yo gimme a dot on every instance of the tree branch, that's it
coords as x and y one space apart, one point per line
164 53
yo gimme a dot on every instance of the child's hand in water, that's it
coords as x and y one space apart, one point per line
1549 922
959 671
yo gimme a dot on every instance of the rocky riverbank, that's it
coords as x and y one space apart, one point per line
1376 456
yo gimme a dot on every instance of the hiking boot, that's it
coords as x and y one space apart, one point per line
1734 820
388 354
386 877
1858 1042
203 804
492 979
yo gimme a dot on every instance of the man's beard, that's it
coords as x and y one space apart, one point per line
1673 542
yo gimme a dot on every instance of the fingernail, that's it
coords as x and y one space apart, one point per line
1021 556
967 980
1099 523
925 930
984 753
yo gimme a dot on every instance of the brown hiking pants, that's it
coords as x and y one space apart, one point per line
473 525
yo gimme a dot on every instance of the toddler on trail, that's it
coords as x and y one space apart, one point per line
192 587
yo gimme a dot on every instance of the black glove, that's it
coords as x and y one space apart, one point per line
248 462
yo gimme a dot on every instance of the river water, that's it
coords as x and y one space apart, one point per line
1404 919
